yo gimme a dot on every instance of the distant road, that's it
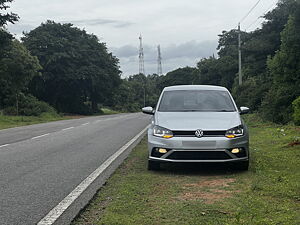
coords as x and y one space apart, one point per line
41 164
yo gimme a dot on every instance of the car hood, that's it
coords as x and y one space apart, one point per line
197 120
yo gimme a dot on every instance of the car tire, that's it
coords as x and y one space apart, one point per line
242 166
152 165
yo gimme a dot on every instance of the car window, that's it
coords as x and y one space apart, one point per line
201 100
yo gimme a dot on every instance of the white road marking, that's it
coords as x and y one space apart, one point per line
1 146
85 124
98 121
68 128
40 136
58 210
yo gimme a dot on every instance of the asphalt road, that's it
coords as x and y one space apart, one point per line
41 164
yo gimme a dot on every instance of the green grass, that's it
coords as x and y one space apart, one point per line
108 111
17 121
269 193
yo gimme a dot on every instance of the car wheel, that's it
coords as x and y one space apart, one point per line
152 165
244 165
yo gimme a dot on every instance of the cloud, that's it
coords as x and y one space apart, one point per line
17 29
125 51
192 49
99 21
173 56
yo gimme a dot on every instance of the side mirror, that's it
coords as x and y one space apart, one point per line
244 110
148 110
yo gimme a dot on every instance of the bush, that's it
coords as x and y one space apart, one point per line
296 111
250 93
12 111
277 105
30 106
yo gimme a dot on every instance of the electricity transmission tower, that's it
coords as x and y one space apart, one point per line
141 66
159 66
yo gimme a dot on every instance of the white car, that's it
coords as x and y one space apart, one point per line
197 123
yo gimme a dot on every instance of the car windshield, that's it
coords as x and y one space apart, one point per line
196 100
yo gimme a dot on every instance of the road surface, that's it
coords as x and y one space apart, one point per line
41 164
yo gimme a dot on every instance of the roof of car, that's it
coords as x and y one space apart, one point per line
195 87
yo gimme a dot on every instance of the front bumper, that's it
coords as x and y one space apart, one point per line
193 149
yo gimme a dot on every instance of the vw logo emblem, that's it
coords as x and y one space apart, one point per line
199 133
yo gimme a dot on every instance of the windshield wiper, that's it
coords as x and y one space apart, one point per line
224 110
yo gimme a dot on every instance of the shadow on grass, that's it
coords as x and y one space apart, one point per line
196 169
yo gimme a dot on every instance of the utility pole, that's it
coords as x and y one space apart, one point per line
141 66
141 57
240 56
159 66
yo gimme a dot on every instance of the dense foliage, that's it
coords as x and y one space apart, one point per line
296 109
18 67
78 73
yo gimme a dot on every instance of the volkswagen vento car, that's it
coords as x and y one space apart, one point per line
197 123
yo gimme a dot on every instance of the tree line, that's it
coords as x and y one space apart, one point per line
61 68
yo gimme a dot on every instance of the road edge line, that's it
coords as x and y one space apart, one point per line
59 209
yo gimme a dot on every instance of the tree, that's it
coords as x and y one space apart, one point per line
284 68
179 76
5 37
78 72
17 69
6 17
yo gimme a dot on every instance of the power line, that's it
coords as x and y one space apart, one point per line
254 22
250 11
261 17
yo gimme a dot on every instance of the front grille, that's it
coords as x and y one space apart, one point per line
206 133
199 155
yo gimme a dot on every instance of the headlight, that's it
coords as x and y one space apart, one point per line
235 132
162 132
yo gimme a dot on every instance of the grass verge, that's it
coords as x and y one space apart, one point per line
17 121
195 194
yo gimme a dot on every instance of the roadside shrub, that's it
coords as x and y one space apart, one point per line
30 106
277 105
296 111
128 107
250 93
12 111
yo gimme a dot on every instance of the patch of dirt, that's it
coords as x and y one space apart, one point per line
212 183
92 214
292 144
210 191
130 162
207 197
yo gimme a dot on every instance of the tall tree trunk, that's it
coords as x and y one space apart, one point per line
94 106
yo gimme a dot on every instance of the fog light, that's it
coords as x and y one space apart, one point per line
230 136
235 150
162 150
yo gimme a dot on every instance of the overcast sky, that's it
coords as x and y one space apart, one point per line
187 30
